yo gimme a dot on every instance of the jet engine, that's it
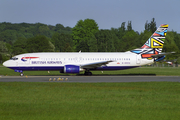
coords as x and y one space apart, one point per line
72 69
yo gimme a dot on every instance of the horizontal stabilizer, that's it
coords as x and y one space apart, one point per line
162 54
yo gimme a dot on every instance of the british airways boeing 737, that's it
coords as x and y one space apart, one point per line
71 62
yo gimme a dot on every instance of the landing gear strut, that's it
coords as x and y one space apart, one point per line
21 74
87 72
20 71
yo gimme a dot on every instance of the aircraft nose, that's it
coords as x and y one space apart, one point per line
5 63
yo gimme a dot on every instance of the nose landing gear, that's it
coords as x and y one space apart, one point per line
20 71
21 74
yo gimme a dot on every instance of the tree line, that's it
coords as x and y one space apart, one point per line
85 36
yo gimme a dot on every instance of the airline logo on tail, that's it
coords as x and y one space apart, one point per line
154 44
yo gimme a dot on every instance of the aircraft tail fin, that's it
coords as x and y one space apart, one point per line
157 39
154 44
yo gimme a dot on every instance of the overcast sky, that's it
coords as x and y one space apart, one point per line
106 13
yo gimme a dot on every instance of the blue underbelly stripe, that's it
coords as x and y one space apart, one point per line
40 68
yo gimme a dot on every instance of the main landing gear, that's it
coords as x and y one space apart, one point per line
87 72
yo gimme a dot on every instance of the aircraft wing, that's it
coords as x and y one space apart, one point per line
162 54
96 64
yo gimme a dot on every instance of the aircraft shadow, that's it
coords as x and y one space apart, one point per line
130 74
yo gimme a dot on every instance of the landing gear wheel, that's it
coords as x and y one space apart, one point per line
21 74
88 73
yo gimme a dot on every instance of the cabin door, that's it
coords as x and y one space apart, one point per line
138 59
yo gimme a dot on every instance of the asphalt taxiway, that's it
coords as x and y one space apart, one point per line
89 79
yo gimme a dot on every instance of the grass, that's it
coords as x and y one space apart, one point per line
90 101
173 71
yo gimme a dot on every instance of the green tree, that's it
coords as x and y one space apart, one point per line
170 46
39 43
105 41
44 30
129 26
9 32
121 30
19 46
8 35
130 40
82 33
2 27
147 26
9 47
3 47
62 42
59 28
92 43
151 26
177 39
1 58
117 37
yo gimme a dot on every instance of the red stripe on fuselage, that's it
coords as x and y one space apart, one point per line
30 57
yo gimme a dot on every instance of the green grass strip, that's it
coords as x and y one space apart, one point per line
167 71
90 101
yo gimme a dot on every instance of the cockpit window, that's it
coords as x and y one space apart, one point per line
14 58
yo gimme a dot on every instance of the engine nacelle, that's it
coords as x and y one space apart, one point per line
71 69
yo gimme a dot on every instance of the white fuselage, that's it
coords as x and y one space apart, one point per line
57 60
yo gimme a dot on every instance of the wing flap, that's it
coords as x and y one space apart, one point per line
95 65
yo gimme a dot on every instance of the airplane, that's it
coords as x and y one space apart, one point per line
76 62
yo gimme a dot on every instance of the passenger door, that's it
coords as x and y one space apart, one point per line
138 59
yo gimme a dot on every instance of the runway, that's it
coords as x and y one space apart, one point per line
89 79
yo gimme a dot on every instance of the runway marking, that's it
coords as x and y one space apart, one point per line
58 79
89 79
